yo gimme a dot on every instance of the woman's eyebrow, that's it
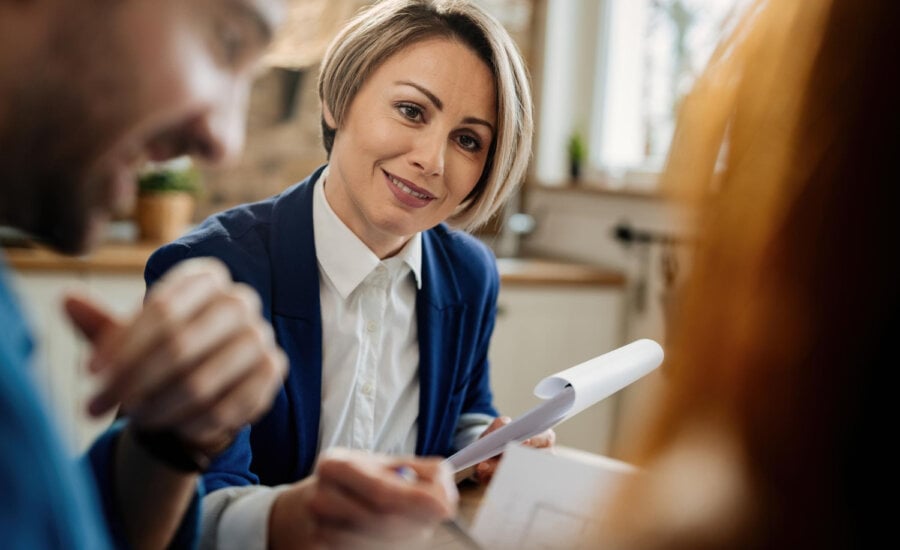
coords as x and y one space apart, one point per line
475 120
439 105
425 91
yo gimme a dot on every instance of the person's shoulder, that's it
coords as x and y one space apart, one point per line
461 245
240 236
42 487
247 224
233 225
472 261
242 228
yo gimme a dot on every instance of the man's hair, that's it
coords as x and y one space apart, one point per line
382 30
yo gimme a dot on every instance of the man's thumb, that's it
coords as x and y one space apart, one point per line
88 317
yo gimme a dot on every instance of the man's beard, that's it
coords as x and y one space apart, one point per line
46 150
60 120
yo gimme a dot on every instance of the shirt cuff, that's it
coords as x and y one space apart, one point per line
237 518
469 428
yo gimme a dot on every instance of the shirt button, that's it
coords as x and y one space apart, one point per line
367 389
371 326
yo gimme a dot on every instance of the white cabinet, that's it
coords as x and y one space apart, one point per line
61 354
544 328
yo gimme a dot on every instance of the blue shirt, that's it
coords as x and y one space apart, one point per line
46 499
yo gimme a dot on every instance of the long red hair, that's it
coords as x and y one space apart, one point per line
783 342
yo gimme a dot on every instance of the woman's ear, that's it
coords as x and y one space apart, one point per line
327 117
329 129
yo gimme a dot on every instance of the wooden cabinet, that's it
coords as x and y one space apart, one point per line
544 327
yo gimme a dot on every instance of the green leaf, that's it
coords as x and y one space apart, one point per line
168 180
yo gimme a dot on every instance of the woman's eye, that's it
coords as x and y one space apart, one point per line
410 111
469 143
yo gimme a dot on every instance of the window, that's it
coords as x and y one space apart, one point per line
614 72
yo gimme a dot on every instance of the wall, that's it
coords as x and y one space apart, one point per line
279 151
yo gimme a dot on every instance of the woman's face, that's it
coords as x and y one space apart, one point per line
413 144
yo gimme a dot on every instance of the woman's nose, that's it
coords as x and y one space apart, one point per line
428 154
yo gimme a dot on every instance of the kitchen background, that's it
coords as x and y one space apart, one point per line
586 261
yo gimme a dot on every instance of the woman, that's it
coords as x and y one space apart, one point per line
426 119
777 371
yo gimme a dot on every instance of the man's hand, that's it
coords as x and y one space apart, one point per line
356 500
198 359
484 471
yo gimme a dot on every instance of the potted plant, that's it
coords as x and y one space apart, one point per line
167 199
577 153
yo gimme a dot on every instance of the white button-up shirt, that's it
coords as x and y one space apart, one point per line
370 348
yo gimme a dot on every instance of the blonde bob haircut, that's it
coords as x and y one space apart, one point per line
382 30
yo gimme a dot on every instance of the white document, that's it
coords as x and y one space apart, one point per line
566 394
540 500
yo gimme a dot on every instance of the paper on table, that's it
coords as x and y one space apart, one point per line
567 393
540 500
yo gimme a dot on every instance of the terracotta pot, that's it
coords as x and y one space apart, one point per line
164 216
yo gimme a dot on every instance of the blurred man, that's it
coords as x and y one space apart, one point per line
89 91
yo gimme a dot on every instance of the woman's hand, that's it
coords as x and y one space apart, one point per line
484 471
359 500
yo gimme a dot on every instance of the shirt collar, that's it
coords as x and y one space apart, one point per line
411 255
343 257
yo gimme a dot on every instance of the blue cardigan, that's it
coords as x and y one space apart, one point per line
269 245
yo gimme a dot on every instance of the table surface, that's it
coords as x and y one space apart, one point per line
470 496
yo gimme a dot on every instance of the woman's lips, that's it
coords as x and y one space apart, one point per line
407 193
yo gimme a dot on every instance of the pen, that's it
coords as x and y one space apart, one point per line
406 473
451 524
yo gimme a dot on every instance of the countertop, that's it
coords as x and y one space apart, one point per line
536 271
113 257
130 257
